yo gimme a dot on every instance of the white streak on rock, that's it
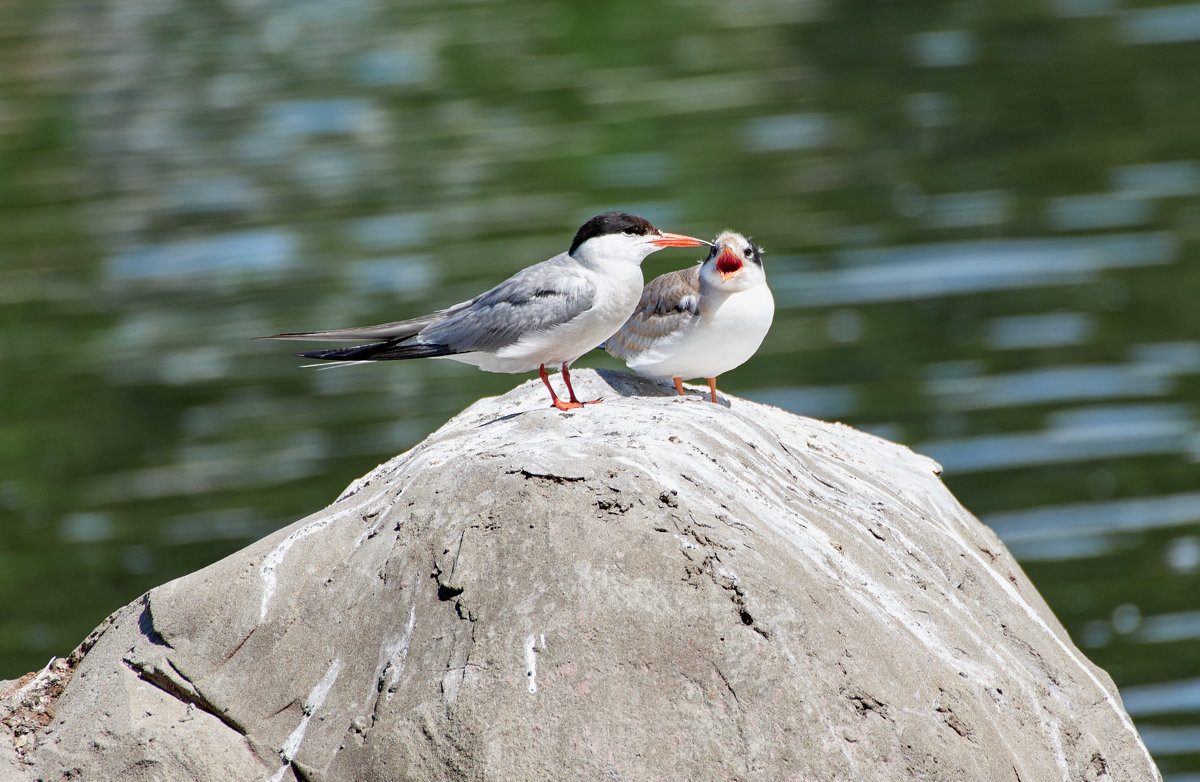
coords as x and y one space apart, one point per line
531 663
395 652
373 530
1068 649
314 701
273 560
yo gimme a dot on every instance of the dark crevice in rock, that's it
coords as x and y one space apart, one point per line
728 686
294 703
738 596
240 644
183 694
527 475
865 705
74 658
953 722
447 592
146 626
444 590
615 507
707 567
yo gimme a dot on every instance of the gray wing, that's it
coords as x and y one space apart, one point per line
669 303
535 299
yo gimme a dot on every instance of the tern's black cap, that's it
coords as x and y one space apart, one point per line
613 223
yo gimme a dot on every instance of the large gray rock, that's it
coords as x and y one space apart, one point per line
656 588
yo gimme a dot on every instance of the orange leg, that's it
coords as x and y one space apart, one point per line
561 405
678 385
712 386
567 379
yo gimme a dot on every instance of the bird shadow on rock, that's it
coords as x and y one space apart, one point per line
625 384
501 419
629 384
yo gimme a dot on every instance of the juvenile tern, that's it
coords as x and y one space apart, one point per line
702 321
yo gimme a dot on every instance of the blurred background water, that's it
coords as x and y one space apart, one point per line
982 225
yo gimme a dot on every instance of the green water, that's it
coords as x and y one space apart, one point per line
982 225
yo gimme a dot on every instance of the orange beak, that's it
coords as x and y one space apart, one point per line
676 240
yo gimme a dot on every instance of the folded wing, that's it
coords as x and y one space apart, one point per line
670 305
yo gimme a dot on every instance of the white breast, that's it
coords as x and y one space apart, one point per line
729 331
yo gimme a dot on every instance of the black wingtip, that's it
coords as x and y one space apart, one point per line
321 354
379 351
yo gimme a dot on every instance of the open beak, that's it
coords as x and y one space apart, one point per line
728 264
677 240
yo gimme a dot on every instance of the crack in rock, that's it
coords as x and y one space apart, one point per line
176 684
866 705
527 475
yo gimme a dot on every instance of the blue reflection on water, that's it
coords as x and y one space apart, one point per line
395 67
943 48
236 254
1053 522
1064 548
87 527
1072 436
1039 386
1168 357
949 268
1170 740
790 131
333 116
399 277
1170 24
1103 210
963 210
830 402
213 194
1053 329
385 232
643 169
1157 180
1162 698
1084 8
1163 628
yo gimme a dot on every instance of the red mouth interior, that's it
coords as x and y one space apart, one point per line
728 263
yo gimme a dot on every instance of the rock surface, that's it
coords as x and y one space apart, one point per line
656 588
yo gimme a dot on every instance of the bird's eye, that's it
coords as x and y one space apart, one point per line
748 252
630 232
